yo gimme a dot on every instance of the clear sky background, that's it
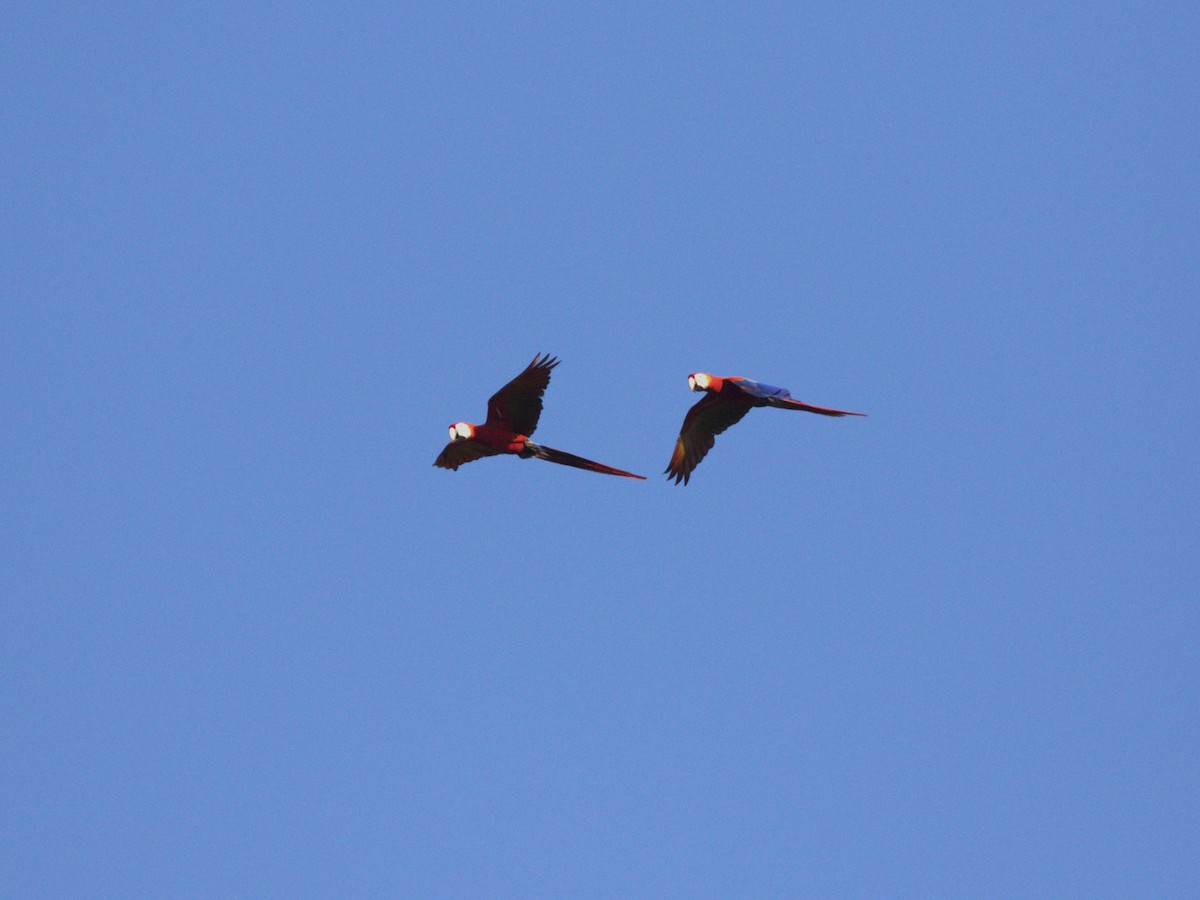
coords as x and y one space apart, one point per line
257 257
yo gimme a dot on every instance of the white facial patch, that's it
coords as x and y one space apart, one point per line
702 381
463 430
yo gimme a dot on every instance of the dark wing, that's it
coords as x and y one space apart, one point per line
703 422
455 453
518 404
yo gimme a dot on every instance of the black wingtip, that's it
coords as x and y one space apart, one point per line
677 477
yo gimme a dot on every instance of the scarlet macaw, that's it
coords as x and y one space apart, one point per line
726 401
512 416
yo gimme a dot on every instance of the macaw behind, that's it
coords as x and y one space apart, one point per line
726 400
512 416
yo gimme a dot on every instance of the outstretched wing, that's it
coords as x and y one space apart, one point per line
518 404
455 453
703 422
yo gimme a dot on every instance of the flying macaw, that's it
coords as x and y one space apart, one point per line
512 416
726 400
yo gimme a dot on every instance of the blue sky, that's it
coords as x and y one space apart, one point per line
257 257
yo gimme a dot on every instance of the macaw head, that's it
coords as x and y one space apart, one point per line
698 381
461 431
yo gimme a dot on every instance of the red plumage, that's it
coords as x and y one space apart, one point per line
513 413
726 400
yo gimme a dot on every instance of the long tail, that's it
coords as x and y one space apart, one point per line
782 403
570 459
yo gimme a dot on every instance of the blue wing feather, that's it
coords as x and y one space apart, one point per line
763 391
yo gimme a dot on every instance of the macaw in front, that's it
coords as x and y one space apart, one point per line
726 400
512 417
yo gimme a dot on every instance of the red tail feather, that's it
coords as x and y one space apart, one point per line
806 407
570 459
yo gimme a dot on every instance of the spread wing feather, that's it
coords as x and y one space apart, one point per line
455 453
703 422
518 405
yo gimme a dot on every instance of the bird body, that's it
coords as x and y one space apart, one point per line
727 399
498 439
512 416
